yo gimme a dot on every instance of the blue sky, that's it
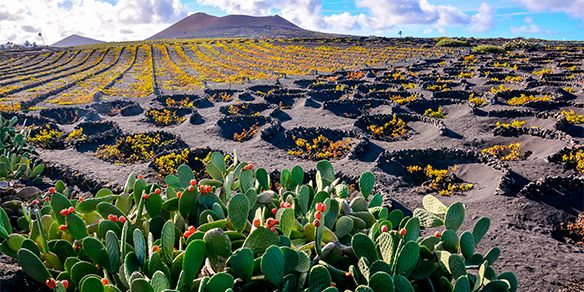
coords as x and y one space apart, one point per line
509 18
120 20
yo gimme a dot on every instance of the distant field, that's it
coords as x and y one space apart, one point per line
139 69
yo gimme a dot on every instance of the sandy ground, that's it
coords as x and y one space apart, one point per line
524 229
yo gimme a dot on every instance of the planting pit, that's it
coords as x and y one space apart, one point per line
325 95
178 100
95 134
48 136
533 99
435 170
352 108
571 157
284 99
113 108
386 127
245 109
221 95
166 162
420 106
26 120
263 89
317 143
139 147
561 192
241 128
67 115
167 116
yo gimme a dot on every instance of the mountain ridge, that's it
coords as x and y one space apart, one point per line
202 25
75 40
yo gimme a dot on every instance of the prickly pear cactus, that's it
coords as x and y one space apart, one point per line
237 230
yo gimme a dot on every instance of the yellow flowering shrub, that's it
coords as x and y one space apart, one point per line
542 72
246 134
45 136
442 181
500 88
409 85
513 79
355 75
438 87
404 100
414 168
320 148
523 99
133 148
470 58
575 229
239 109
223 96
575 159
514 124
392 129
182 103
477 101
168 163
438 114
77 135
9 106
467 75
572 117
164 117
568 89
511 152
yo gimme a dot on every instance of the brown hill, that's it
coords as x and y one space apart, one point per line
201 25
75 40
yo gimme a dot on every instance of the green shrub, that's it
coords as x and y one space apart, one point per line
488 49
522 44
236 231
448 42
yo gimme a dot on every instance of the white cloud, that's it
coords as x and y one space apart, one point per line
345 22
138 19
386 14
574 8
306 13
22 20
379 15
483 20
529 28
251 7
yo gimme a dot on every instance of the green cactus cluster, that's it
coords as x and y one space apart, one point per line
17 156
235 231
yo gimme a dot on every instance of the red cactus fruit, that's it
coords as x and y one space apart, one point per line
318 215
402 232
51 283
